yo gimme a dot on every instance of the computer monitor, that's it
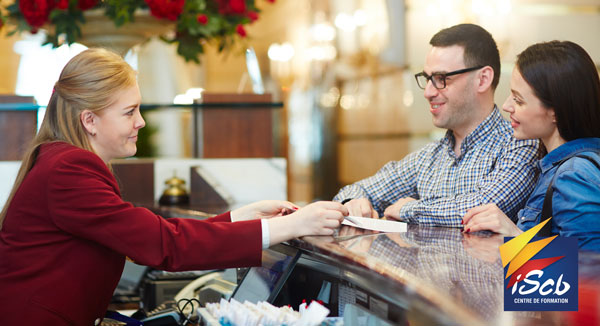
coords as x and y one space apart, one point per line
131 278
264 283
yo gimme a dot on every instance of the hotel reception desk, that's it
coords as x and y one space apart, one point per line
425 276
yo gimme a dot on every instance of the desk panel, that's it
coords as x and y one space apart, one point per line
435 275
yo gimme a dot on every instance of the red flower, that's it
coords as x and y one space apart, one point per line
271 1
240 30
238 6
169 9
253 15
227 7
202 19
36 12
63 4
86 4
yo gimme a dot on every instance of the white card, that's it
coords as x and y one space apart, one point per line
374 224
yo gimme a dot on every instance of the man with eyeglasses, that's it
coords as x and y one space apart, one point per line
478 160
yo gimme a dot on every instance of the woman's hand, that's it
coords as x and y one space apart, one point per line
489 217
263 209
320 218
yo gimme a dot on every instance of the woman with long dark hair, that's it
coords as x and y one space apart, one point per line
555 96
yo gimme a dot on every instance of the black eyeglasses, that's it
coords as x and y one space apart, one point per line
438 79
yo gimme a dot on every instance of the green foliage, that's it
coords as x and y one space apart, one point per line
145 145
197 22
67 24
122 11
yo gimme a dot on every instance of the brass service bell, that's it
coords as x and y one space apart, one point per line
175 194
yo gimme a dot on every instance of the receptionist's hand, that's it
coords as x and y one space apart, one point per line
320 218
361 207
393 211
263 209
489 217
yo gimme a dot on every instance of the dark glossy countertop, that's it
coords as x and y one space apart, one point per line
456 274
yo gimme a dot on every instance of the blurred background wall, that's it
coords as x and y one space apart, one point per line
343 70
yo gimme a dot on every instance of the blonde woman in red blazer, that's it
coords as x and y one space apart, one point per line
65 231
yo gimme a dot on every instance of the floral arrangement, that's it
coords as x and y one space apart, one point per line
196 21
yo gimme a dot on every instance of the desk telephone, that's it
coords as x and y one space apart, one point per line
210 287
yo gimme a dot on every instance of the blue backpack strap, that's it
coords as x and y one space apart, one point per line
547 207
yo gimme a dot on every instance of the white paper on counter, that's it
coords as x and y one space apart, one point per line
374 224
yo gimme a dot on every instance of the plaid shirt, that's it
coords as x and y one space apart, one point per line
493 167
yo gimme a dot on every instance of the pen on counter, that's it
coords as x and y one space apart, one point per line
286 211
353 220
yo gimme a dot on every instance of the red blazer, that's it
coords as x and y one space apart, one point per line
67 232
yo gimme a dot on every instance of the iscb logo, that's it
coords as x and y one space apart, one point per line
540 273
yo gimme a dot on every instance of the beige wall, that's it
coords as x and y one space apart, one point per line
9 63
390 118
276 24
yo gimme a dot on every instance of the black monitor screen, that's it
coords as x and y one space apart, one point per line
264 283
131 278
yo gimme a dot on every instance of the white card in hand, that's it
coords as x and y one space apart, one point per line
374 224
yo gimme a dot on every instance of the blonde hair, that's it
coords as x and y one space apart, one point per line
88 82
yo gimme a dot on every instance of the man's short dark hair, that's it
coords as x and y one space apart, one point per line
479 46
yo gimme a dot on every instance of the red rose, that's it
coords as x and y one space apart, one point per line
63 4
227 7
240 30
36 12
169 9
86 4
237 6
253 16
202 19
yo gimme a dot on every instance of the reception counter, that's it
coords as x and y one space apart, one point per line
426 276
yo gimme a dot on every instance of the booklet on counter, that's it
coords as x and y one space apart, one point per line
374 224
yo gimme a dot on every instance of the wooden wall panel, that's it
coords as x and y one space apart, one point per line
17 128
237 131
